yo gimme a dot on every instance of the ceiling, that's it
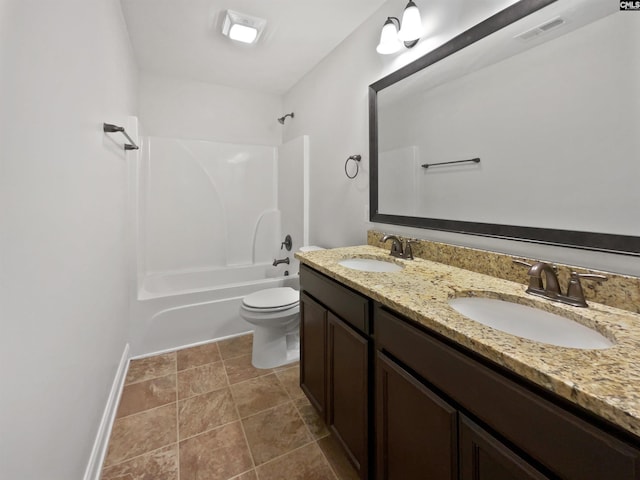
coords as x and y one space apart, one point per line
182 38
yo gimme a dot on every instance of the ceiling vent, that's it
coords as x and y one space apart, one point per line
540 29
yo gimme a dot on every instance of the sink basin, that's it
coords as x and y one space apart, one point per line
529 322
370 265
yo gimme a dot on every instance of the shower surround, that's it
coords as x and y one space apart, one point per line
208 227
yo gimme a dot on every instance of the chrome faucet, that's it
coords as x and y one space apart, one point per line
397 250
277 262
551 288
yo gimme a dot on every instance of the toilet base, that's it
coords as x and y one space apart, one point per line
274 347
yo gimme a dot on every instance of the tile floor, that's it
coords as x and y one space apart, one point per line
206 413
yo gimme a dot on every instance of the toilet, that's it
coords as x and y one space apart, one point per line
275 315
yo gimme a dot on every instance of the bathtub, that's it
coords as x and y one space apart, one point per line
178 309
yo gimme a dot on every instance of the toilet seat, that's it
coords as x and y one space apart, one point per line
271 300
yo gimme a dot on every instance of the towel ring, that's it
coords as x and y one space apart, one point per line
355 158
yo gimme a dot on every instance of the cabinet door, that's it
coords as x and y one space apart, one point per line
416 429
483 457
313 343
348 370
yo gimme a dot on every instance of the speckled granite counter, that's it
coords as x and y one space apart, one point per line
605 382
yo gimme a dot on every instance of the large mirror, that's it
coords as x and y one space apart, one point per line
527 127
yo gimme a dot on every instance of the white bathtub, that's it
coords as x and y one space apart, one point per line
189 307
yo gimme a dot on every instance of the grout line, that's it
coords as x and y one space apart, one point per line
287 453
199 366
316 440
244 433
140 455
154 377
266 371
145 411
209 430
303 421
203 393
331 467
240 474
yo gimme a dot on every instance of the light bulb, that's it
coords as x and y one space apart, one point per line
389 42
411 24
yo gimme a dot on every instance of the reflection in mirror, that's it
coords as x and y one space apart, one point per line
550 106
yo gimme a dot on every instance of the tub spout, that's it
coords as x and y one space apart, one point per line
277 262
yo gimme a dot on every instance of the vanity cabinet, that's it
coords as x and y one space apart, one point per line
313 349
427 408
531 434
483 457
416 430
335 352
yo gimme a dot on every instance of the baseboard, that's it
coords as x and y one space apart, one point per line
101 443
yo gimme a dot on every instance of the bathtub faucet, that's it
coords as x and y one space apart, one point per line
277 262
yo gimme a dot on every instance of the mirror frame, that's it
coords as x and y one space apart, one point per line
604 242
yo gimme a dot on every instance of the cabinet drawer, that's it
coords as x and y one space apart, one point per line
346 304
564 443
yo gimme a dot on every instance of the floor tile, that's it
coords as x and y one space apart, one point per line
287 366
160 464
202 379
310 416
218 454
153 393
240 369
141 433
151 367
236 346
258 394
275 432
337 458
204 412
196 356
306 463
290 379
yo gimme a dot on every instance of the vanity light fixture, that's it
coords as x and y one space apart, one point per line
242 28
394 34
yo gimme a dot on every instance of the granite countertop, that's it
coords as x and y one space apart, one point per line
605 382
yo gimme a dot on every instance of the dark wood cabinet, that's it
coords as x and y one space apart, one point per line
567 444
428 408
348 387
313 348
416 430
335 351
483 457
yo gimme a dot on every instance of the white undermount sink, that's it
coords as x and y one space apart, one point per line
529 322
370 265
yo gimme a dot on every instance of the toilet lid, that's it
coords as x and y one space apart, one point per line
272 298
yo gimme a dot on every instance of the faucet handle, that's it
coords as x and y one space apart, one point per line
521 262
408 251
575 293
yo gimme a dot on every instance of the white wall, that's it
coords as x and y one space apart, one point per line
66 67
178 108
331 106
